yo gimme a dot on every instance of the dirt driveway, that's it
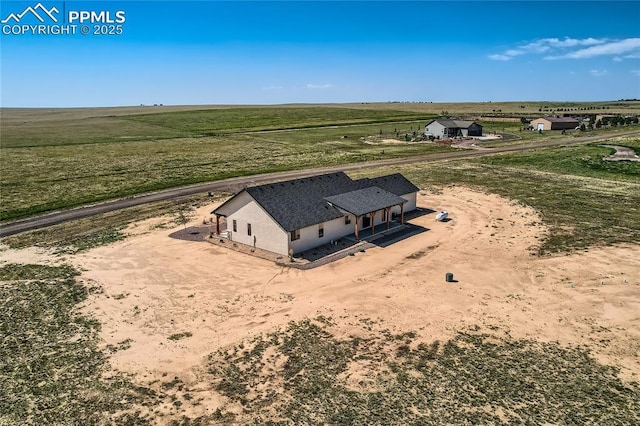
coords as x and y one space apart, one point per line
622 154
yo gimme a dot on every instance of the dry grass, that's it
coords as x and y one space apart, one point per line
84 234
52 371
61 158
584 200
513 109
305 375
64 162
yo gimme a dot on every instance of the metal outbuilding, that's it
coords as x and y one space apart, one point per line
554 123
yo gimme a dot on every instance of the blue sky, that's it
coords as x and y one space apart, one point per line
266 52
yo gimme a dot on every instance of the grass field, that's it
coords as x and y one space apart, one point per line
303 375
81 235
584 200
21 129
52 371
61 158
514 109
60 163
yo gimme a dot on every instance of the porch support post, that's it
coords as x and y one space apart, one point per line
356 228
387 214
373 223
217 224
402 213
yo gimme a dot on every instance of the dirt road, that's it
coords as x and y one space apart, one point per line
235 184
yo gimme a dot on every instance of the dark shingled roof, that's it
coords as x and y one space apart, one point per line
453 124
366 200
298 203
395 183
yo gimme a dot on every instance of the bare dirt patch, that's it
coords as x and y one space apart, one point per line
156 287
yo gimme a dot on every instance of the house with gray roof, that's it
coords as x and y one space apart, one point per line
297 215
445 128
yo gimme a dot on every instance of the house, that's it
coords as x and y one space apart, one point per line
297 215
446 128
604 118
554 123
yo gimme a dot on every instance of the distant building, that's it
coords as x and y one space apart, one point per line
444 128
554 123
297 215
605 119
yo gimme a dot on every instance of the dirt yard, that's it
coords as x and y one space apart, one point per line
156 287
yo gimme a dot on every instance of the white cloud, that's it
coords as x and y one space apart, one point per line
572 48
498 57
539 46
573 42
319 86
545 45
609 48
514 52
598 73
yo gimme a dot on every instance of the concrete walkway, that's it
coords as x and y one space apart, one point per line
327 253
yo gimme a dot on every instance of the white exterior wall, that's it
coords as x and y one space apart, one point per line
410 205
436 129
333 230
411 201
268 234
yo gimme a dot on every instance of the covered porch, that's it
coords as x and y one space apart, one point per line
366 205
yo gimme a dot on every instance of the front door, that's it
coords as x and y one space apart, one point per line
366 222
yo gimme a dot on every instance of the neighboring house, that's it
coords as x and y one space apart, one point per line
297 215
554 123
603 118
446 128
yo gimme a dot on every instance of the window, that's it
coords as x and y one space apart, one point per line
235 226
295 235
248 229
320 231
347 220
